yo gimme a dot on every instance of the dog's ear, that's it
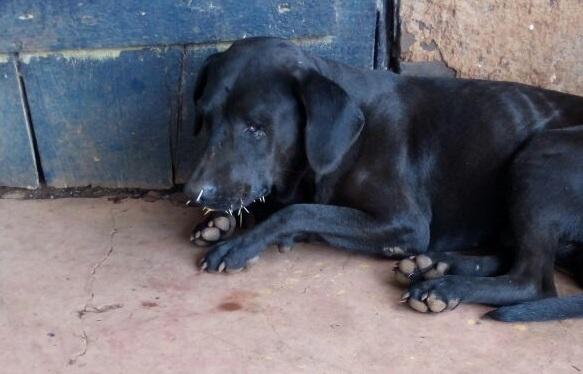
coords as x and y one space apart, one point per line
199 86
333 122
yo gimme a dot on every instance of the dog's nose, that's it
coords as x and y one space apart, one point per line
200 193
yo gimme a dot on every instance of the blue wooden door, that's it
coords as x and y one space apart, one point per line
108 84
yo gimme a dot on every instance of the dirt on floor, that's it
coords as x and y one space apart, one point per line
174 195
102 285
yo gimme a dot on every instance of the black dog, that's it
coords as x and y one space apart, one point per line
382 164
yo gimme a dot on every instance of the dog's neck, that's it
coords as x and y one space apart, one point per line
298 188
365 86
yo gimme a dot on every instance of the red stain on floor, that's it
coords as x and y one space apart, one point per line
149 304
230 306
237 300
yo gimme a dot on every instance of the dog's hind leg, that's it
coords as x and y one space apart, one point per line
546 209
570 260
530 278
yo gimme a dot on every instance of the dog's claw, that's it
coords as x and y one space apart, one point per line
417 305
222 267
204 265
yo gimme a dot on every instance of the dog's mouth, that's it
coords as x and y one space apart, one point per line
230 205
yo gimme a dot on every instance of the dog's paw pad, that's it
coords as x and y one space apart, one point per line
224 223
430 303
439 270
213 230
210 234
417 305
407 266
421 266
435 304
204 265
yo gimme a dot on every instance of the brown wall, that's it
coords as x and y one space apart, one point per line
539 42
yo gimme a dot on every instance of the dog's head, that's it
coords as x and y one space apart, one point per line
268 113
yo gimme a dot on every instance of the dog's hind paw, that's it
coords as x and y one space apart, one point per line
218 227
414 268
436 295
431 302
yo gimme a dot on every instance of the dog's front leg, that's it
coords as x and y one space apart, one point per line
347 228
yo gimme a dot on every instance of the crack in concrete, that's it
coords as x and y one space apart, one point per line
84 346
89 307
98 309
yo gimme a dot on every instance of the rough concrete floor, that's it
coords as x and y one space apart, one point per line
89 286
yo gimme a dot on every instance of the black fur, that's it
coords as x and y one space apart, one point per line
541 310
370 161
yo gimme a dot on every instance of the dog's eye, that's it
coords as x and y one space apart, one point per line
254 129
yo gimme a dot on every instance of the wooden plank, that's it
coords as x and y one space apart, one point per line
17 162
353 37
104 118
32 25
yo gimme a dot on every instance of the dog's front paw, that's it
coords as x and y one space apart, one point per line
219 226
415 268
230 256
436 295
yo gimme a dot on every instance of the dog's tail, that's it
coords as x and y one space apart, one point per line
553 308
